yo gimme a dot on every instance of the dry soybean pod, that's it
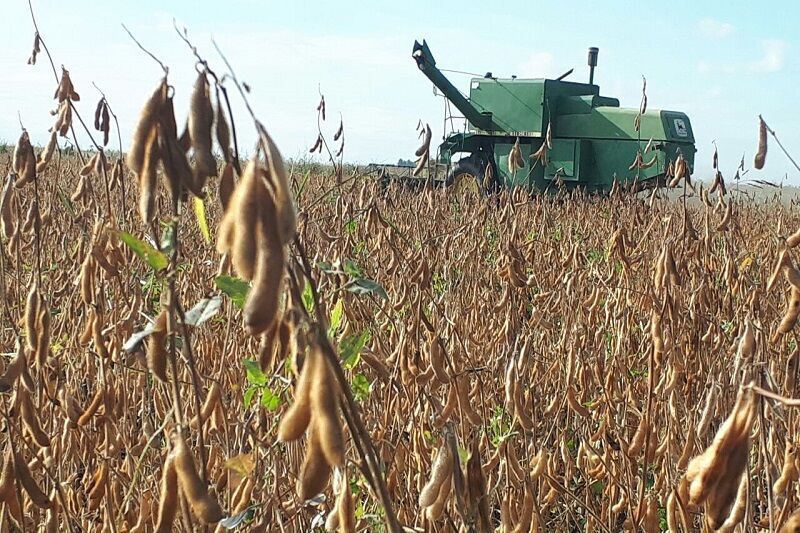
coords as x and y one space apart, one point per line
27 412
345 510
201 120
284 205
761 154
7 477
31 315
168 501
148 177
144 128
793 239
435 510
145 514
297 417
223 131
262 301
437 358
204 505
23 474
792 311
94 405
441 469
243 214
226 186
791 372
47 153
97 486
156 349
315 471
43 333
212 399
14 369
789 471
324 397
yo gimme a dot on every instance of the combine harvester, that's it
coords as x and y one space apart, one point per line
592 141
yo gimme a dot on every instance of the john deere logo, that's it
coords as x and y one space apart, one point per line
680 127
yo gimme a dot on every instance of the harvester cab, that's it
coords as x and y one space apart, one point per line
546 134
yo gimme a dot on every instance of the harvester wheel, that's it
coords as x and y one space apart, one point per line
466 178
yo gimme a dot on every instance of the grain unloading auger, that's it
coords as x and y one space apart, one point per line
592 141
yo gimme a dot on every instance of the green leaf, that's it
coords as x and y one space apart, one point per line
302 186
308 298
156 259
254 374
336 318
248 396
366 286
269 400
200 215
66 201
463 455
352 269
202 311
360 386
350 348
235 288
326 267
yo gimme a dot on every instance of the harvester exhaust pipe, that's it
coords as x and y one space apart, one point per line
593 51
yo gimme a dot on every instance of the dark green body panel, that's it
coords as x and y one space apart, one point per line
594 141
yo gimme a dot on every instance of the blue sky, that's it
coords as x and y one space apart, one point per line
722 63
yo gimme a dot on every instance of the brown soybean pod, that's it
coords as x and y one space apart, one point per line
94 405
28 415
7 477
148 178
144 128
168 501
262 302
244 213
761 154
325 409
23 474
201 119
226 186
43 340
31 315
315 471
284 205
435 510
437 358
14 369
345 509
790 379
223 132
156 351
441 469
297 417
212 399
205 506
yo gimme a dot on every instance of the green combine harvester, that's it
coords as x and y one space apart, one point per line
593 142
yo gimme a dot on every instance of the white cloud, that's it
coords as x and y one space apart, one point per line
704 67
773 58
715 28
538 65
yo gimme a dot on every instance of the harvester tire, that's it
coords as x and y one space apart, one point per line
466 176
